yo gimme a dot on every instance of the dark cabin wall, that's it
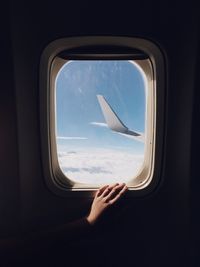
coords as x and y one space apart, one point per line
9 176
195 181
154 230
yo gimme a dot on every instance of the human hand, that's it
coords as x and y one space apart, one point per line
105 197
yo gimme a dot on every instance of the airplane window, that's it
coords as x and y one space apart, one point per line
101 109
100 120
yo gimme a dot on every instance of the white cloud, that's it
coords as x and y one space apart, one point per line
100 166
101 124
71 138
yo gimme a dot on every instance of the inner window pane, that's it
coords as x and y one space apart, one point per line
89 150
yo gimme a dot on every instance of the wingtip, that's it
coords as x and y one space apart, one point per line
99 96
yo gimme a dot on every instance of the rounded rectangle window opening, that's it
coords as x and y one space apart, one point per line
100 108
102 113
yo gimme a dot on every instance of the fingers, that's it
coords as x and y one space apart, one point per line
112 200
114 191
108 189
101 190
111 193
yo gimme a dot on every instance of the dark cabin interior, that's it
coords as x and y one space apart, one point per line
159 229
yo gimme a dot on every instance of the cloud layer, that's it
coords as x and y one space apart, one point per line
71 138
99 166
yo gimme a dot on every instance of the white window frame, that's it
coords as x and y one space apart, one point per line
153 67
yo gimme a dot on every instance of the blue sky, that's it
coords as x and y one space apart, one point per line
77 85
80 135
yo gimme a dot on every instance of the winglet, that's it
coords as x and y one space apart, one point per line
114 122
111 118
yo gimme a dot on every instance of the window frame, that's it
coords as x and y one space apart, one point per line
49 67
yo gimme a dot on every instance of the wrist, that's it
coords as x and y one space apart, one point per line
90 220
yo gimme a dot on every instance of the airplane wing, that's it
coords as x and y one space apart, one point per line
114 122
